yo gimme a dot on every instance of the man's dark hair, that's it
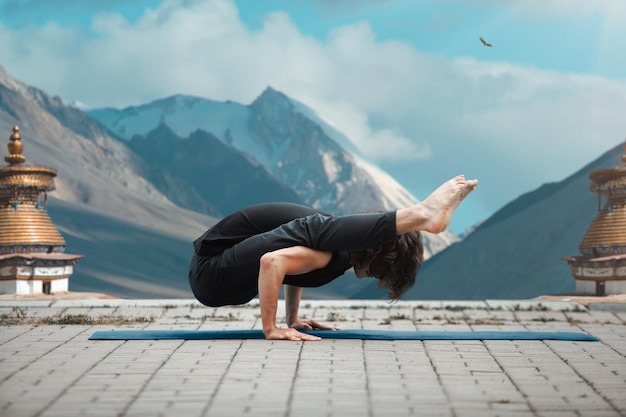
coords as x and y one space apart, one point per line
394 263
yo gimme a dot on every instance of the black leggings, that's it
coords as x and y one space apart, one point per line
231 277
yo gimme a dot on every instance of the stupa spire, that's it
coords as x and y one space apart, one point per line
15 147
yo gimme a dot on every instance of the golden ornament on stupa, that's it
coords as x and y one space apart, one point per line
25 226
31 248
601 268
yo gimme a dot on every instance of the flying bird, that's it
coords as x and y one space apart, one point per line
485 43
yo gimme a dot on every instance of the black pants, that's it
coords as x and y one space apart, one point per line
231 278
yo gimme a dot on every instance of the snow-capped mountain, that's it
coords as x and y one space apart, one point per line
131 215
286 138
203 174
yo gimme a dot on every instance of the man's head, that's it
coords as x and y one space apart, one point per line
394 263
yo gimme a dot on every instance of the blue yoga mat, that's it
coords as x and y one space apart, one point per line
343 334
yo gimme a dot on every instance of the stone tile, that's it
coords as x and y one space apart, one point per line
614 307
24 303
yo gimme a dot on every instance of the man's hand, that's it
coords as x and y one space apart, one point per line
289 334
310 325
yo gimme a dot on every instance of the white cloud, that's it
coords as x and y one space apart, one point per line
378 144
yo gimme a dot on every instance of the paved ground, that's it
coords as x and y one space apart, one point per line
49 368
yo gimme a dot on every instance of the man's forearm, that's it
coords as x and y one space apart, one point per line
270 280
293 295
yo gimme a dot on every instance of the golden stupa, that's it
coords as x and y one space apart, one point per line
601 268
31 247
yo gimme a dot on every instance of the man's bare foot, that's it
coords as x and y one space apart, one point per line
439 206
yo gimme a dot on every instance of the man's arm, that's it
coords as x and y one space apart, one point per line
293 295
275 265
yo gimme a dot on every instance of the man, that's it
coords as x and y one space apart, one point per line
258 249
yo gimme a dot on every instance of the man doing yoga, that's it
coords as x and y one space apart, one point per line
257 249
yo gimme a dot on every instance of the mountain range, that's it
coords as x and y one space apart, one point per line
137 185
129 203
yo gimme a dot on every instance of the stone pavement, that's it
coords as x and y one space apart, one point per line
48 368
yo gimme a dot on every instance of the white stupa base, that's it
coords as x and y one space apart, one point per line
33 286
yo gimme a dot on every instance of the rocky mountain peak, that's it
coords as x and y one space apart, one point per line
272 100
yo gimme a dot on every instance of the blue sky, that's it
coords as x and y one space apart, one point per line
523 35
408 81
525 32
